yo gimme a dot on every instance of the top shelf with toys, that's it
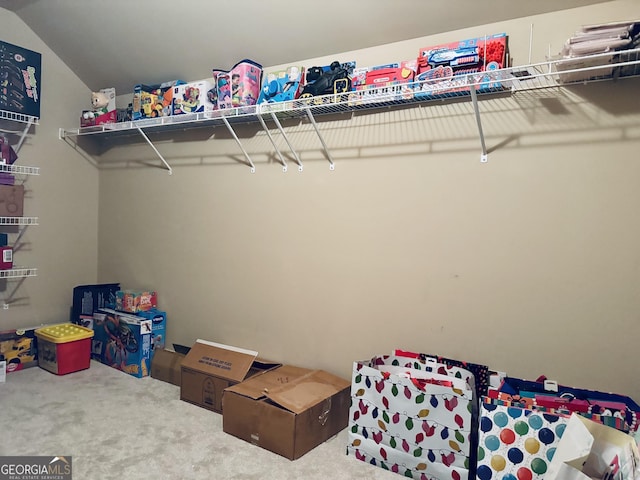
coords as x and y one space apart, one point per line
469 69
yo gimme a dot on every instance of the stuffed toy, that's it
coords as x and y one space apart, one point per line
99 102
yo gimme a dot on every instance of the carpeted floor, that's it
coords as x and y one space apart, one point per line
115 426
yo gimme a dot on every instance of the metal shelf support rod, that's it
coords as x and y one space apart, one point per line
474 100
286 139
246 155
9 298
273 142
324 145
24 135
144 135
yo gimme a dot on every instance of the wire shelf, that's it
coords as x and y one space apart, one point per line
19 169
18 117
19 221
19 272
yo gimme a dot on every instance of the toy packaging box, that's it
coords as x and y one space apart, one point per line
104 115
193 97
239 86
122 341
328 80
151 101
19 349
131 301
90 298
391 81
64 348
439 65
246 77
20 72
282 85
158 329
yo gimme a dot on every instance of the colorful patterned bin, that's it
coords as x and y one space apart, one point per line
64 348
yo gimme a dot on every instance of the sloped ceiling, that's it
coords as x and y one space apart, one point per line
119 43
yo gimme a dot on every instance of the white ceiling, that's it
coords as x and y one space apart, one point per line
119 43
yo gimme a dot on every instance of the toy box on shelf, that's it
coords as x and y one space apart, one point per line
11 200
122 341
240 86
21 72
193 97
327 80
282 85
443 69
19 349
103 111
384 82
150 101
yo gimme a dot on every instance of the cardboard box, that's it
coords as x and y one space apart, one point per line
132 301
22 70
166 366
122 341
211 367
288 410
11 200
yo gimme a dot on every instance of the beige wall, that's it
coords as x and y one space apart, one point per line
528 263
64 196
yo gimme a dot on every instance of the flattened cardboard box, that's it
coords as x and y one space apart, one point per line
211 367
166 365
288 410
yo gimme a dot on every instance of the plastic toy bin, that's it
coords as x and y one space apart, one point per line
64 348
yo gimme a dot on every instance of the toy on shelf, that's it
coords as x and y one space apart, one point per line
193 97
237 87
388 82
444 69
103 108
20 85
151 101
282 86
331 79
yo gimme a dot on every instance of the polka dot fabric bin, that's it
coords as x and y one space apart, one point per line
516 443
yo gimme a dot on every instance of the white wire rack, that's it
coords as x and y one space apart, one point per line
21 221
19 169
19 272
553 73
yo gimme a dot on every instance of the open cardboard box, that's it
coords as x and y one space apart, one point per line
166 366
211 367
288 410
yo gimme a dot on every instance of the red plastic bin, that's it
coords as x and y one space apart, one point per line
64 348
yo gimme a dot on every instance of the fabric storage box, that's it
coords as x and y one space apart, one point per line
64 348
122 341
409 420
211 367
11 200
288 410
6 258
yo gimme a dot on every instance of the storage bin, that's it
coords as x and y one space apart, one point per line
64 348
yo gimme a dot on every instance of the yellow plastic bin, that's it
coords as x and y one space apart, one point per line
64 348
